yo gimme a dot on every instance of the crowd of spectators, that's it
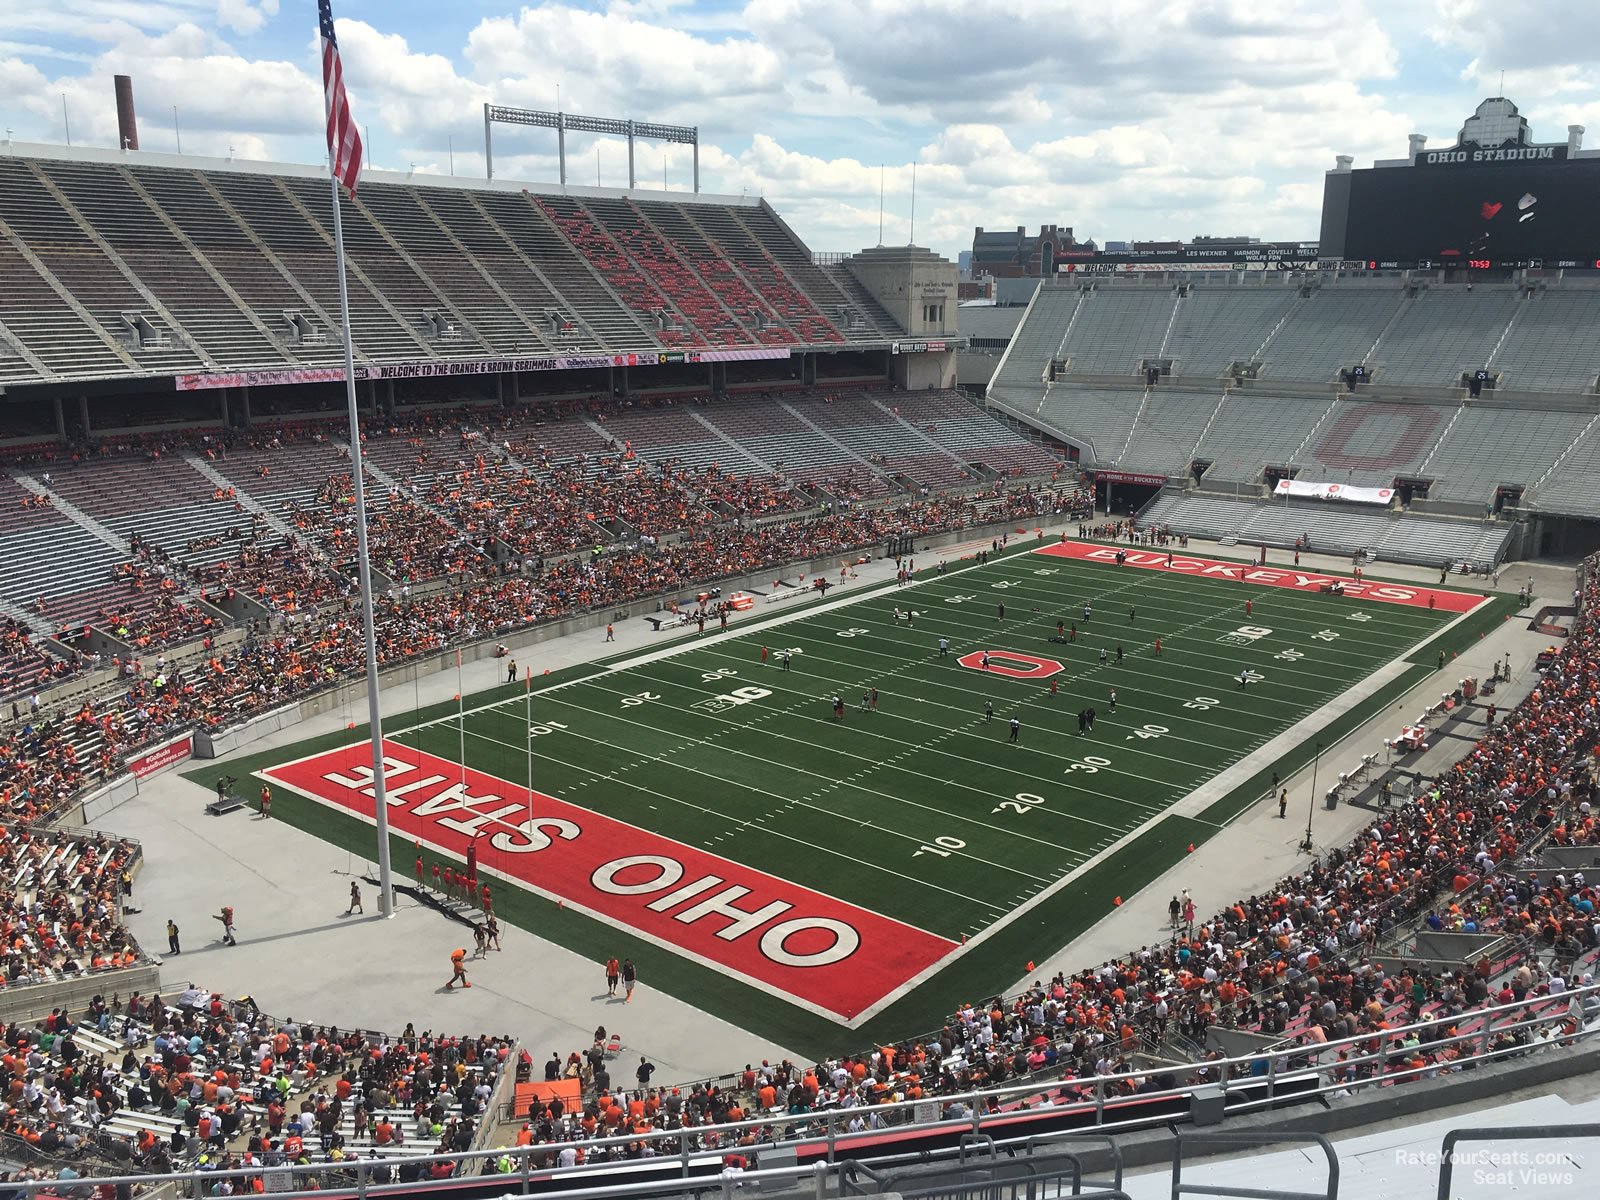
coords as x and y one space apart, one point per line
407 542
199 1082
59 905
25 668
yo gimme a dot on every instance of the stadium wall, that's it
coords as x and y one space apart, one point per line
919 372
31 1001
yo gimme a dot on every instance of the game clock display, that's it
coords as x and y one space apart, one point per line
1511 215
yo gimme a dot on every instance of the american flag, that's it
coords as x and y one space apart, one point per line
344 140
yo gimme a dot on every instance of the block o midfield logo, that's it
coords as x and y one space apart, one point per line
1012 663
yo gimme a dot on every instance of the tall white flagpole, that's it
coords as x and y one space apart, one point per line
461 724
363 564
528 741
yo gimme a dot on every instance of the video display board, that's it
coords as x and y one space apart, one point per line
1468 214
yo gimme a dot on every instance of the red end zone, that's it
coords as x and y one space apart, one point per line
1289 577
818 952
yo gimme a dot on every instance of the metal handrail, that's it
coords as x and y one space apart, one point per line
1253 1141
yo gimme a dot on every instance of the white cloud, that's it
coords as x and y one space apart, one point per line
604 60
241 16
1160 118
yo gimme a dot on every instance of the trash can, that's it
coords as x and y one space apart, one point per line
1331 801
1206 1105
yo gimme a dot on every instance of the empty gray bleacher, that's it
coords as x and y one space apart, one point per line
778 438
79 265
1331 528
1553 347
1218 326
1487 447
1573 488
54 560
1102 417
164 265
44 323
1117 328
1428 540
222 241
1443 332
673 435
1169 425
498 257
1370 443
1199 516
1034 344
1253 431
1333 329
165 502
452 274
270 214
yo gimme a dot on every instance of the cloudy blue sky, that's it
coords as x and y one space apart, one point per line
1134 118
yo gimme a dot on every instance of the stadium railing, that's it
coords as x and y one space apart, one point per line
1004 1118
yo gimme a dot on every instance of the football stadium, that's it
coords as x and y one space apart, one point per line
530 687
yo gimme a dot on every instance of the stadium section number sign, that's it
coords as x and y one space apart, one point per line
820 953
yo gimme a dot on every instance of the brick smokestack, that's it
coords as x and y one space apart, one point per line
127 123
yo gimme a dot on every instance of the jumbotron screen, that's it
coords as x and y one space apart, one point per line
1502 214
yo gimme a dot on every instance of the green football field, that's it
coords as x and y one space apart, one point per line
950 852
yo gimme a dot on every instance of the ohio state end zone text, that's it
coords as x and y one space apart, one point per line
819 952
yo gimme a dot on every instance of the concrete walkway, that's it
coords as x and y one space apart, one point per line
300 956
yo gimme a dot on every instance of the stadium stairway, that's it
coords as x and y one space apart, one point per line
757 264
734 445
508 267
250 504
258 274
719 274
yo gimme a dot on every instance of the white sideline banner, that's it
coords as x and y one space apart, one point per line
1334 491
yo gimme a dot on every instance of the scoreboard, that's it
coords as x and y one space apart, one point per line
1466 212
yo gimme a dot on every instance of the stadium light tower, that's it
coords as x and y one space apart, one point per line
688 135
